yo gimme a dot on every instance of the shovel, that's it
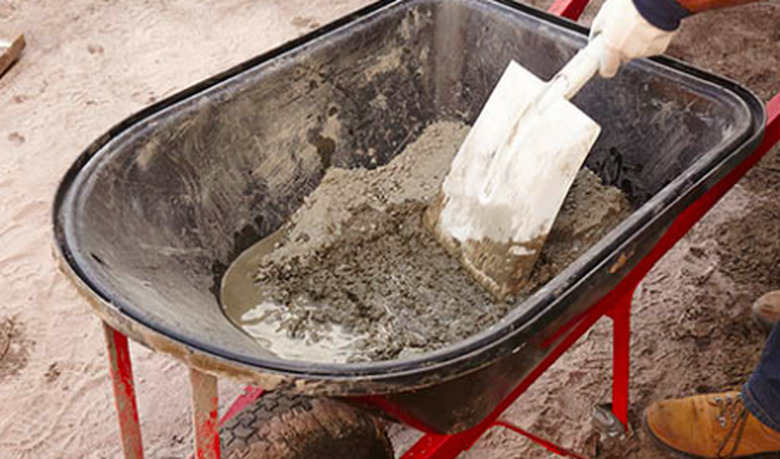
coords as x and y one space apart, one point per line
513 171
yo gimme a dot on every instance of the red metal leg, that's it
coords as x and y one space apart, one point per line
124 392
616 306
205 403
571 9
621 349
772 133
251 393
433 446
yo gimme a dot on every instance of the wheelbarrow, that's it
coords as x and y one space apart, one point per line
150 216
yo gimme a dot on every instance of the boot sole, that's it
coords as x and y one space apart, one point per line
663 446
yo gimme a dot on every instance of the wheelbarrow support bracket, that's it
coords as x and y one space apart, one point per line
203 394
121 369
205 403
616 306
621 356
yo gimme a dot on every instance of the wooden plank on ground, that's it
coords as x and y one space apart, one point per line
9 53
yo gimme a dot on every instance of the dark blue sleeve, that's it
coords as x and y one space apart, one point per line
664 14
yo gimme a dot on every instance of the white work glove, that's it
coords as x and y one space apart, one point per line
626 35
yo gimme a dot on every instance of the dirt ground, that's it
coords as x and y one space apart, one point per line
91 63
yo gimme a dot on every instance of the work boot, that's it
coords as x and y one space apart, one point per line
710 426
766 309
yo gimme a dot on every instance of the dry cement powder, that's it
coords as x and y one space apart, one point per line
355 275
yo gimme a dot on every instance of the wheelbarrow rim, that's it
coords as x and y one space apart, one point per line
468 355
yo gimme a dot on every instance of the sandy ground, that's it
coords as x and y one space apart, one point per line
87 66
92 63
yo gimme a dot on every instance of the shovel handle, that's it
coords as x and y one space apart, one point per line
577 72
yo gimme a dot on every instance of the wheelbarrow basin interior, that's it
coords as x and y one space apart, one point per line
148 219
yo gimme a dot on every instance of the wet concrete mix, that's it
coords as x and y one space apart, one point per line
355 276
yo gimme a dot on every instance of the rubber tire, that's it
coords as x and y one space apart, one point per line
282 426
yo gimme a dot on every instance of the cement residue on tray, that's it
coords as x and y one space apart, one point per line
355 276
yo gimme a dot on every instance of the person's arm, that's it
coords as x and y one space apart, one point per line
643 28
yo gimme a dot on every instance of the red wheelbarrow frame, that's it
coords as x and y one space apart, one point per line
616 305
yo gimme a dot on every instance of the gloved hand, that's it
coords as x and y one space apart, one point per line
626 34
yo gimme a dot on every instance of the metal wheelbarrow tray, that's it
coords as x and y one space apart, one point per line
149 217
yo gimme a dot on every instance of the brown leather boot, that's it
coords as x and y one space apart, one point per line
710 426
766 309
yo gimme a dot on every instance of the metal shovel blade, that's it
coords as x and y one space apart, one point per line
509 179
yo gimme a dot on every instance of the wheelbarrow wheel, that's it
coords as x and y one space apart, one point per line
282 426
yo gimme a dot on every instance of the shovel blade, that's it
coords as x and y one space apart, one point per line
509 180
